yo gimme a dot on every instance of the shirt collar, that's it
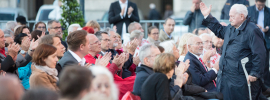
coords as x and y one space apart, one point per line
169 36
258 9
195 55
80 60
122 2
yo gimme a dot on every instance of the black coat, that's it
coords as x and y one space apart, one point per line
199 75
142 73
253 13
126 73
154 15
246 40
115 18
193 20
156 87
229 3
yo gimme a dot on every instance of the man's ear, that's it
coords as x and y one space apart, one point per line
82 46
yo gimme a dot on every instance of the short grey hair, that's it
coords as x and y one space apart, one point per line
11 25
131 26
7 35
9 32
135 34
99 34
205 34
71 27
108 30
145 51
168 46
50 23
240 9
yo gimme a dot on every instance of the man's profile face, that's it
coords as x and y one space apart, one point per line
56 29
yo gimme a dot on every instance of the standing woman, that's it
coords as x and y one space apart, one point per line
156 86
44 73
41 26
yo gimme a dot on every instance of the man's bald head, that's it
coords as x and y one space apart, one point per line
10 88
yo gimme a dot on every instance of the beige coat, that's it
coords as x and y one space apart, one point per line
42 79
163 36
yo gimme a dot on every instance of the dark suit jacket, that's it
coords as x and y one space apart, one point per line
67 59
199 75
253 13
115 18
154 15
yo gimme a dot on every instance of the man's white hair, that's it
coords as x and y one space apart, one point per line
102 70
205 34
71 27
132 27
145 51
11 25
135 34
168 46
240 9
152 6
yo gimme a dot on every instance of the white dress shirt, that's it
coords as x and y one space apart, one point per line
122 5
80 60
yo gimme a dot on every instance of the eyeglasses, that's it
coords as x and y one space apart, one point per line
106 40
95 42
56 28
197 44
208 42
42 27
154 33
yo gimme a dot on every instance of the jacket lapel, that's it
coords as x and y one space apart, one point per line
198 61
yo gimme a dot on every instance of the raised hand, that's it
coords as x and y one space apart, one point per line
130 10
13 50
123 11
136 60
131 47
193 7
204 9
104 61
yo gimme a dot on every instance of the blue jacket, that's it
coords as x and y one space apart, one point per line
24 75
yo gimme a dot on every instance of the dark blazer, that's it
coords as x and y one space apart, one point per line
246 40
253 13
199 75
227 6
67 59
154 15
156 87
115 18
142 74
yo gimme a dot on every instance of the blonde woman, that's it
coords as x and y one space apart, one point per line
182 45
94 24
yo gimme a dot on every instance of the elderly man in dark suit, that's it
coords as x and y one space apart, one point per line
201 75
122 13
78 44
242 38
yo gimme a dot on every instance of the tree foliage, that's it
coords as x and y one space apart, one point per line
71 14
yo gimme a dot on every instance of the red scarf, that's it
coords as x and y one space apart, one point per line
3 51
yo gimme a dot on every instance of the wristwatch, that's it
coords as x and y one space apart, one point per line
22 52
208 61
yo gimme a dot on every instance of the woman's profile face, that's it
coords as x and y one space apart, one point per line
101 84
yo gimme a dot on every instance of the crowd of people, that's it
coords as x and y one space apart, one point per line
92 63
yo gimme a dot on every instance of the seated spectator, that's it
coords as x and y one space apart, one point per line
147 57
78 45
10 88
10 25
22 29
95 49
104 39
24 43
75 82
9 40
153 35
9 32
103 83
182 45
73 27
35 34
44 73
54 40
94 24
114 42
156 86
40 94
119 47
137 35
54 27
200 75
169 47
208 50
41 26
89 30
131 27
